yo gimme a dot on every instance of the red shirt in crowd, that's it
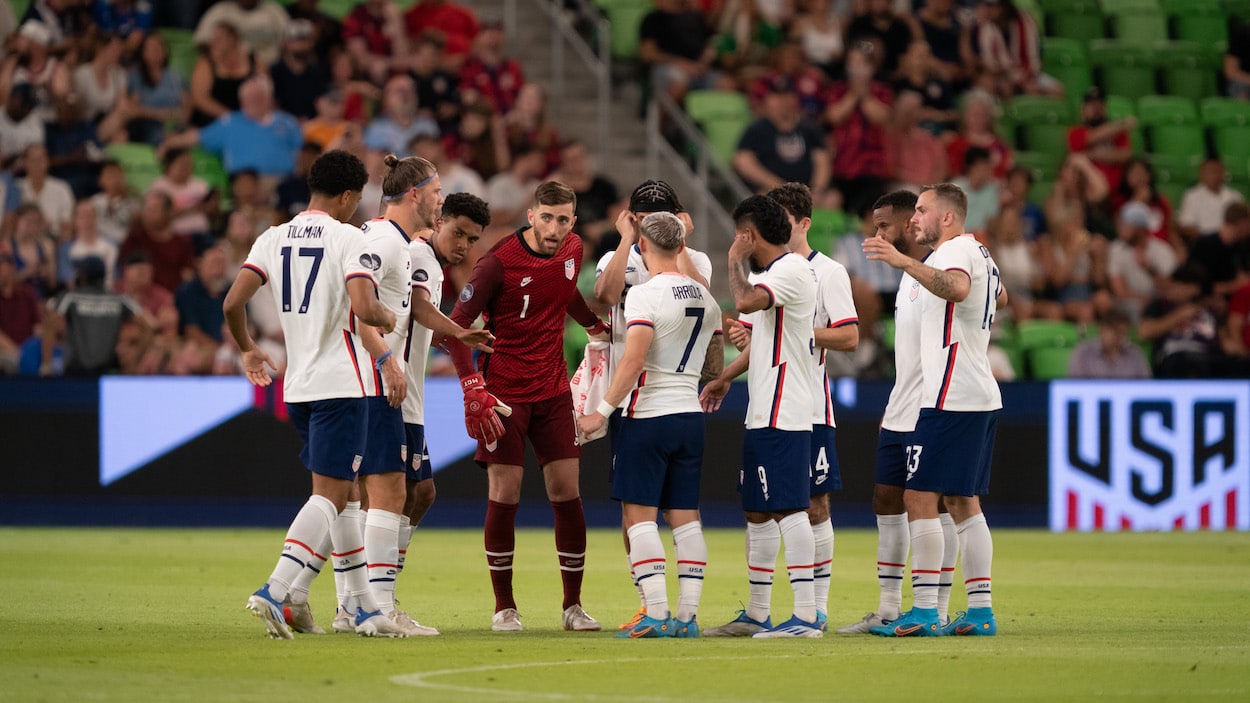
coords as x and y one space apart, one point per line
457 24
19 312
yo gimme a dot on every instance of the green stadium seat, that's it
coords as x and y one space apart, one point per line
210 168
1048 364
1113 7
1228 122
1078 19
625 18
1033 9
1224 112
182 50
138 162
1167 109
722 115
1048 334
1068 62
1175 174
1125 69
1188 69
1044 165
1040 191
1201 22
827 227
1140 25
1187 141
1119 107
1043 122
1239 9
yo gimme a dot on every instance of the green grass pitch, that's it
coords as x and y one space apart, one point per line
157 615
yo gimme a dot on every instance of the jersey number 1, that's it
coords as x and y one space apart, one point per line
316 254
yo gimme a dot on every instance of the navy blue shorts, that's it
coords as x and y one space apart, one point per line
658 461
825 474
773 466
385 446
418 467
892 457
333 431
951 452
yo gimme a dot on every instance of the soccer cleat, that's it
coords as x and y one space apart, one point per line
741 626
506 620
343 622
410 627
650 627
638 616
977 622
794 627
685 629
299 617
372 623
266 608
917 622
577 620
822 621
863 626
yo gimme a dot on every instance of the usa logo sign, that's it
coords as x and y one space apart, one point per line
1154 455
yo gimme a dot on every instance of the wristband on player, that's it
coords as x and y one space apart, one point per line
605 408
378 362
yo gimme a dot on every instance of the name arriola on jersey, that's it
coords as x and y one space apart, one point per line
305 232
687 292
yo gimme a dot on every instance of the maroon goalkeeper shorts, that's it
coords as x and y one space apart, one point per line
551 429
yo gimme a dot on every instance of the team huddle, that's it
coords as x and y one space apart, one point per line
360 310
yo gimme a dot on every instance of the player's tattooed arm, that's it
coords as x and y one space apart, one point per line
747 297
714 363
952 284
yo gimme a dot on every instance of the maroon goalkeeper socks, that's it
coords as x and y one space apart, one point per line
570 547
500 544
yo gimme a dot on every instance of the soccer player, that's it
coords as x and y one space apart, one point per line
317 265
658 453
776 450
623 268
524 286
950 450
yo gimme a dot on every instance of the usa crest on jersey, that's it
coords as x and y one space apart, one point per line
569 269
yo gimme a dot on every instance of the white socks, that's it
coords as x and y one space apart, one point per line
796 530
302 582
351 515
893 541
823 535
646 552
978 555
691 551
405 537
926 565
349 563
950 556
763 545
382 555
305 535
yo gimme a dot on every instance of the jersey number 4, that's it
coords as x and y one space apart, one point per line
316 254
697 314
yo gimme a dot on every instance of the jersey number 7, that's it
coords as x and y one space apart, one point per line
697 314
316 254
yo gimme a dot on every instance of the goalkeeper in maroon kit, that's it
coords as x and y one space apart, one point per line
523 287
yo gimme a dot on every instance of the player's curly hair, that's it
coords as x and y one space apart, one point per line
337 172
900 200
469 206
766 216
405 174
796 198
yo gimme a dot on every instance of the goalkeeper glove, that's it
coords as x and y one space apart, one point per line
482 410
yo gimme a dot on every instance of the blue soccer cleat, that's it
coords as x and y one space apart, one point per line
649 627
917 622
794 627
822 621
741 626
685 629
977 622
268 609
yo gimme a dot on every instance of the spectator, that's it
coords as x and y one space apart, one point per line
1138 186
87 242
51 194
10 199
219 74
237 240
31 61
874 284
455 26
950 42
1106 143
115 206
1137 264
155 93
1237 62
172 257
136 282
1112 354
371 196
1184 330
808 83
100 83
358 93
133 341
981 188
32 251
399 122
598 200
1067 254
1013 251
132 20
1221 255
298 75
255 137
199 300
1010 49
821 34
916 74
888 33
482 142
73 146
64 20
20 314
917 158
329 129
374 33
254 200
262 25
858 110
1203 206
20 127
488 73
675 44
745 39
780 146
980 109
1079 189
1238 325
511 192
1018 184
454 176
92 318
438 90
529 122
192 197
328 30
293 193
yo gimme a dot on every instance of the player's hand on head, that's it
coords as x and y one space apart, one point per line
741 247
254 362
627 226
713 394
687 222
739 335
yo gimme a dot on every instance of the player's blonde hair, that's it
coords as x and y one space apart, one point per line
405 174
663 229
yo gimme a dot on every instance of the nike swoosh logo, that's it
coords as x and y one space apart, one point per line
964 629
907 631
640 633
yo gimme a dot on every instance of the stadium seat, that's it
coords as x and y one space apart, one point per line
1224 112
722 115
827 227
1044 165
625 17
210 168
1228 121
182 50
1180 140
1040 191
1174 174
1039 334
1166 109
1048 363
1067 61
1188 69
1119 107
1073 19
1198 21
1239 9
138 162
1139 25
1043 122
1124 68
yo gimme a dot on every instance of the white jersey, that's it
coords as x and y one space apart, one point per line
427 275
955 337
781 381
684 316
386 246
903 408
834 308
306 263
635 275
